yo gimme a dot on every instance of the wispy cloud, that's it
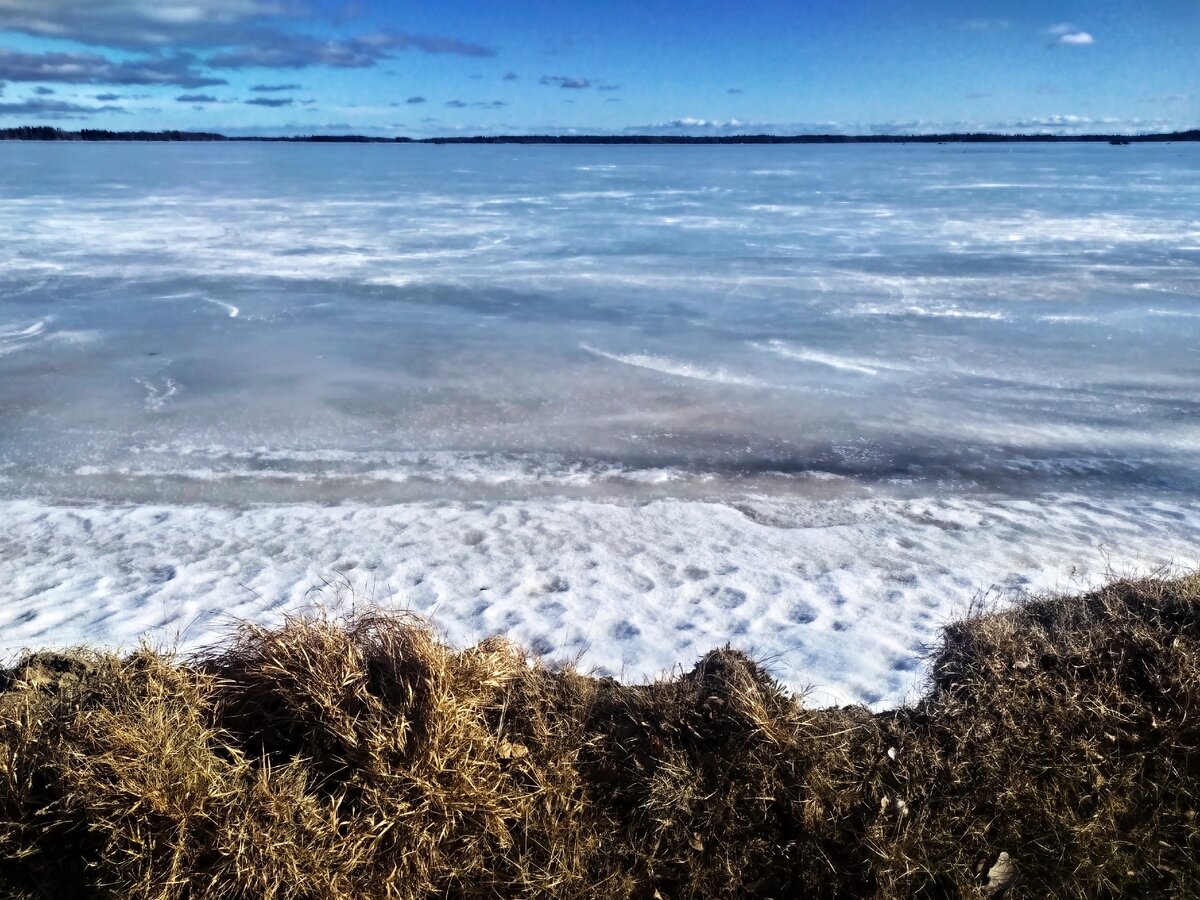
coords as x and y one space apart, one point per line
1076 124
195 98
575 83
53 109
695 125
289 51
269 88
1077 38
1051 124
510 76
270 102
1069 35
565 81
477 104
222 34
179 70
413 101
143 24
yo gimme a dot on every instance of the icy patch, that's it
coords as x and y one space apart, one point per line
929 312
849 364
841 595
158 392
1067 319
228 307
14 337
1175 313
678 368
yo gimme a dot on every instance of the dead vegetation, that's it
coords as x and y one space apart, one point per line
1056 754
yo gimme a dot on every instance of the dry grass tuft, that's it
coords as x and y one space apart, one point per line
1057 753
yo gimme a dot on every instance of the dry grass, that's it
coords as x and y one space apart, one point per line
1057 753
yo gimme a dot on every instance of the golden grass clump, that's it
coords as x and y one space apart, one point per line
1064 734
1056 753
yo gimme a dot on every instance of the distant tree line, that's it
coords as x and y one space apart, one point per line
956 138
46 133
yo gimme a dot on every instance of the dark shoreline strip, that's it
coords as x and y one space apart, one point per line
47 133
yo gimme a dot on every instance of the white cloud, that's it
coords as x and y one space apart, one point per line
1076 124
1070 35
692 125
1064 124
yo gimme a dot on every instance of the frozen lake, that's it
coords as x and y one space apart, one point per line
620 403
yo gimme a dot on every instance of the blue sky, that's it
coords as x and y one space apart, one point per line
532 66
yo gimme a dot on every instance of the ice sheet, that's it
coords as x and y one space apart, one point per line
621 403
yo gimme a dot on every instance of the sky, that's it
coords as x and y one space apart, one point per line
623 66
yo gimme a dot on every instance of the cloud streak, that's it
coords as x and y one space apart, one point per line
288 51
53 109
142 24
231 34
565 81
179 70
1053 124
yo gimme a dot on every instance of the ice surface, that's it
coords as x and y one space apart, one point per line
624 402
837 595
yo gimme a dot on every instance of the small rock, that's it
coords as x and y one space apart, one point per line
1000 877
509 750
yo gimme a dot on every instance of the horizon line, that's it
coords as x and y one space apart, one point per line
53 133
